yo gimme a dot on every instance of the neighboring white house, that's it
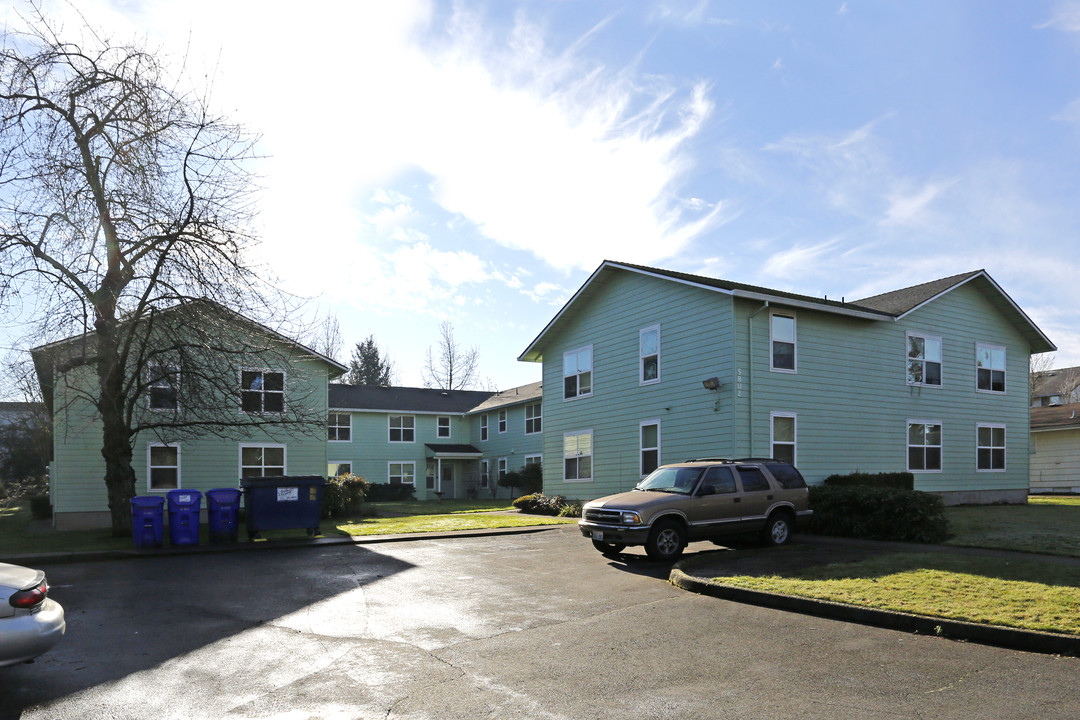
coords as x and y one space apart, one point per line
1055 449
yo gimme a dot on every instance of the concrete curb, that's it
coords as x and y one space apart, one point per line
276 544
1011 638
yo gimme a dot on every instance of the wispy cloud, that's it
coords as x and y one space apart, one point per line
1066 17
911 208
1070 113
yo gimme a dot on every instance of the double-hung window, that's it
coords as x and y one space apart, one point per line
484 427
502 468
162 466
783 436
339 427
262 460
577 373
649 435
533 419
782 337
990 450
262 391
163 384
442 427
924 446
337 469
402 473
402 428
649 355
485 467
990 367
923 359
502 421
577 456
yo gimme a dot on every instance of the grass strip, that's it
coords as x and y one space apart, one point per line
444 523
1027 595
1049 525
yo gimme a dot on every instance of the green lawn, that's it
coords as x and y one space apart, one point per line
1047 524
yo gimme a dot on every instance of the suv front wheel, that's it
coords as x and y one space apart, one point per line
666 540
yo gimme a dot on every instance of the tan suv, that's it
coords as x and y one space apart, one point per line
699 500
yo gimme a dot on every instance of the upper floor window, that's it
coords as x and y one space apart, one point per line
782 334
533 419
924 446
262 391
442 428
990 367
339 427
577 456
402 428
163 383
162 466
990 449
502 421
649 355
577 373
923 359
650 446
484 426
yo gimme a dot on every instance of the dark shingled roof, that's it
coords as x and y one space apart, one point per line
1055 417
452 449
898 302
525 393
420 400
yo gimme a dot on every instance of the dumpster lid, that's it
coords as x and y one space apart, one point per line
282 481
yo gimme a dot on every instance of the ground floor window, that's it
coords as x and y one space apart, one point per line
991 447
577 456
262 460
924 446
162 466
783 436
533 460
502 468
649 436
336 469
402 473
484 469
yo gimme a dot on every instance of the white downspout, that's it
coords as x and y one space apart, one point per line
750 371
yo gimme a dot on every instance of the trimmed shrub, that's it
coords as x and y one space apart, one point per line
878 513
344 494
897 480
529 479
387 492
541 504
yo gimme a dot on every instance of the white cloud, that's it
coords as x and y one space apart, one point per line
911 208
1070 113
1066 17
799 261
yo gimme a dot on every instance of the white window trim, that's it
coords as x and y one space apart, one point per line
240 456
907 359
641 357
592 456
538 418
503 468
772 434
504 421
449 427
592 374
908 445
641 449
390 427
338 462
179 465
1004 370
485 431
403 463
527 458
264 370
978 447
485 470
346 414
172 370
794 343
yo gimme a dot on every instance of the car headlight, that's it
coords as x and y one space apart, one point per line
631 518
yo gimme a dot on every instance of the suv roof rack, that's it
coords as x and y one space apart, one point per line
757 459
711 459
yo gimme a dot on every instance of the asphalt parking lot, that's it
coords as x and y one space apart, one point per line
534 625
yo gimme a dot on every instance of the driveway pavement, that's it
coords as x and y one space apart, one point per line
529 625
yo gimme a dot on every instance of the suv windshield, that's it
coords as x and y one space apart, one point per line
679 480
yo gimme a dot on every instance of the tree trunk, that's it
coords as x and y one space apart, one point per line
116 435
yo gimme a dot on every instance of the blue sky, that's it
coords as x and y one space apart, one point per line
476 161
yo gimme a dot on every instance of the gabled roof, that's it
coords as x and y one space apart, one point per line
1058 417
885 307
1049 382
375 398
525 393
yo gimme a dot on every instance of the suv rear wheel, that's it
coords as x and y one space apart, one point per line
778 529
666 541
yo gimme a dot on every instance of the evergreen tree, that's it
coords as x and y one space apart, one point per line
368 366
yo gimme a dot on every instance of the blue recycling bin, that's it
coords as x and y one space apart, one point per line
284 502
223 514
184 508
147 520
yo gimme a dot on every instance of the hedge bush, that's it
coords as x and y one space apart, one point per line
898 480
344 494
878 513
387 492
541 504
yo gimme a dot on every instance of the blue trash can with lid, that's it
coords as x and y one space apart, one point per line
223 514
147 520
184 508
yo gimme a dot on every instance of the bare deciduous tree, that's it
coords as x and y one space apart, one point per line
124 212
451 368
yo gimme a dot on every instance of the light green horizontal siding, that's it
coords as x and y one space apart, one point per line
513 445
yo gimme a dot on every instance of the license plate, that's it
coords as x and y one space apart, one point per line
598 535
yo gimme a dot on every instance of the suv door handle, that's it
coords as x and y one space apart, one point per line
737 499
